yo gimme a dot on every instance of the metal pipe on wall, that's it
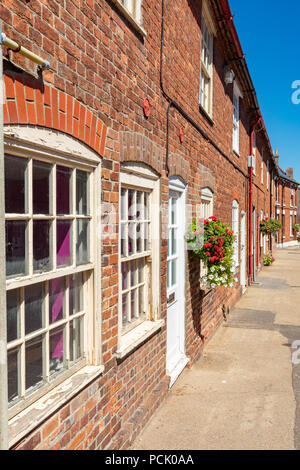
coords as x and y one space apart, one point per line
3 338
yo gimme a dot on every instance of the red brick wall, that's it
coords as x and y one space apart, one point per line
106 70
285 205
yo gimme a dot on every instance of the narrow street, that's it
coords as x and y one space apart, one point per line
244 393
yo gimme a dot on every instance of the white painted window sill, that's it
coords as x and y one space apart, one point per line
30 418
137 336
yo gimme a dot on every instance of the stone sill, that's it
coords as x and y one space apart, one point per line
32 417
131 340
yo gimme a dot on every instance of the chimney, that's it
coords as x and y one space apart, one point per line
276 157
290 172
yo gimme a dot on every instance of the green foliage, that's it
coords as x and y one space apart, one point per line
296 228
268 260
268 226
212 241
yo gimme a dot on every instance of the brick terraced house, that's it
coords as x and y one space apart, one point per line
146 117
286 205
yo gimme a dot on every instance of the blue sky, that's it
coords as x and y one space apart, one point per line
269 35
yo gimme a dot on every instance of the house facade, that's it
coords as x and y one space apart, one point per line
286 206
132 131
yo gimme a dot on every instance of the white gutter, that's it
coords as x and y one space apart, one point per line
3 339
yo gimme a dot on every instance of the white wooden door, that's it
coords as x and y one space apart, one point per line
176 359
243 249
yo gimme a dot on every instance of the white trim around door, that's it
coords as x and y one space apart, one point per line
176 358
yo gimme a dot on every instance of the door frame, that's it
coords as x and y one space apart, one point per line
177 185
244 257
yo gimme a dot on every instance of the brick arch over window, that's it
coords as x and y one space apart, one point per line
136 147
179 167
207 179
29 102
235 195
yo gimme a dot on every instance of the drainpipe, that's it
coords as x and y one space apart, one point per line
251 202
282 216
3 339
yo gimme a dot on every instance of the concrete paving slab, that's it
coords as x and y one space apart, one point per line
244 392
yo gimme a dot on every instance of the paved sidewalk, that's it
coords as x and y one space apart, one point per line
244 393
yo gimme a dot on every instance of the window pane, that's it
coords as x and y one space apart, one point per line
63 187
76 347
41 188
56 350
76 293
63 242
82 248
174 241
34 362
12 374
174 265
173 211
56 299
140 205
13 324
134 303
15 247
123 239
141 270
139 238
131 237
125 298
41 245
141 301
124 276
133 273
123 203
82 192
146 235
131 208
15 170
34 307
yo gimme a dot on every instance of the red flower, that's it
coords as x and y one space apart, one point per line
207 254
206 245
217 228
213 218
205 222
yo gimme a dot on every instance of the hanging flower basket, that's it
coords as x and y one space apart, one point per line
296 228
269 226
212 241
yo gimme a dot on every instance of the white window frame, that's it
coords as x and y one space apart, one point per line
237 94
291 225
268 175
206 61
206 211
133 8
139 177
18 144
235 229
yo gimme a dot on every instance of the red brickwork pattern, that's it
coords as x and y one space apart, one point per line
29 102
